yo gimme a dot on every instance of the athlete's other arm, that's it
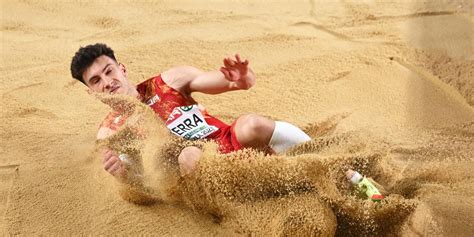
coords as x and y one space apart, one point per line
131 188
112 164
234 75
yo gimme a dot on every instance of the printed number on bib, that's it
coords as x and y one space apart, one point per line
188 122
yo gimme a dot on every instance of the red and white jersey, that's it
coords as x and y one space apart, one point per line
182 114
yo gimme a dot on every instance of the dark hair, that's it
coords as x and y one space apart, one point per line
85 56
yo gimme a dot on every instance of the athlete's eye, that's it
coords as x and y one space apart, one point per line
108 71
95 81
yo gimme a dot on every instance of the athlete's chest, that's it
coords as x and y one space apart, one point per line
181 113
162 98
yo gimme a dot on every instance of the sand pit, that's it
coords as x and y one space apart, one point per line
385 88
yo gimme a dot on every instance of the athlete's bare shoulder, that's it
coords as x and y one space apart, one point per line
180 77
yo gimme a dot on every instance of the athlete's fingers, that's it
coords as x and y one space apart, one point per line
237 57
226 62
226 72
246 62
108 164
234 76
106 154
111 162
231 63
223 70
115 168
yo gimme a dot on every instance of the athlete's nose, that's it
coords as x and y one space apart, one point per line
108 82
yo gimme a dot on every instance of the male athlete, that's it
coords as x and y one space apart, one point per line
169 95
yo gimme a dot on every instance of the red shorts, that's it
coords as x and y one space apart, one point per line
227 140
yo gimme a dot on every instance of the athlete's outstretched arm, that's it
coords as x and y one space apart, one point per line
234 75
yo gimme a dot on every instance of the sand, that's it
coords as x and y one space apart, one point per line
384 87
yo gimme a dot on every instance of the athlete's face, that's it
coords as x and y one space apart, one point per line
107 76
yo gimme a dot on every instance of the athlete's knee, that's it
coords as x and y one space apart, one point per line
258 125
188 159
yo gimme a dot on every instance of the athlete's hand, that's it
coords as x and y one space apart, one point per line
112 163
237 71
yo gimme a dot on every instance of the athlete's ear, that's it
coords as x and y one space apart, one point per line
123 69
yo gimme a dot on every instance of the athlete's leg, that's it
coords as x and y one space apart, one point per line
254 131
188 158
285 136
259 132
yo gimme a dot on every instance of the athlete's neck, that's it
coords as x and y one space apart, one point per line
134 93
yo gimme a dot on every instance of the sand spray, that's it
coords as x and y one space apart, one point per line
304 191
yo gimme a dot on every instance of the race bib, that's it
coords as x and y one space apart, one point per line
188 122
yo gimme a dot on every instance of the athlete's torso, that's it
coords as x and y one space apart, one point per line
181 113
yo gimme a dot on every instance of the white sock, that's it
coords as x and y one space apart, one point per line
285 136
